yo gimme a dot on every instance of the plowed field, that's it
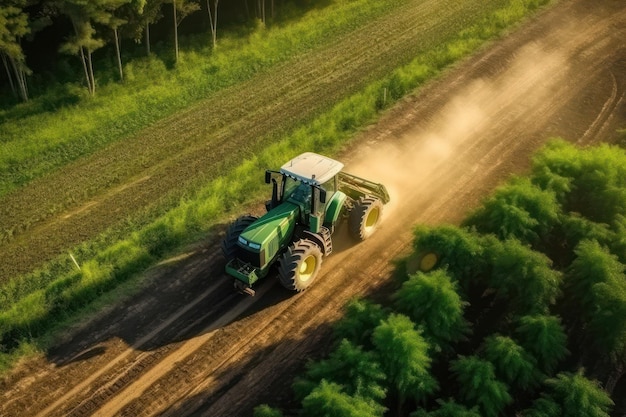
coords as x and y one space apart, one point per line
188 345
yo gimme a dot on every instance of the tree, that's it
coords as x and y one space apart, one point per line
403 354
512 363
458 250
574 229
261 10
83 15
151 13
574 395
265 410
478 385
594 264
597 289
519 210
356 370
448 409
329 400
591 182
432 301
359 321
213 19
608 328
14 26
121 18
544 338
523 278
543 407
181 9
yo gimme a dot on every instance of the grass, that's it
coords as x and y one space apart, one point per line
106 184
36 303
46 133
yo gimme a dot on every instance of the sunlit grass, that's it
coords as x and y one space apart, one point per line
65 124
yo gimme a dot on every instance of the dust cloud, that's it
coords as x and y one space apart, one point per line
407 162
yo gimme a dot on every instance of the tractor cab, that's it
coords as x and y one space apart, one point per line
308 181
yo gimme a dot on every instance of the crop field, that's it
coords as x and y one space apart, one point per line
126 203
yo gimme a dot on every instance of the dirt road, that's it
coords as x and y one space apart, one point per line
189 346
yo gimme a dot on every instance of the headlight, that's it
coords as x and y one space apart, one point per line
242 240
254 245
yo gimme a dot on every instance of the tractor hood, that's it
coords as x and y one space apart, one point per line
267 235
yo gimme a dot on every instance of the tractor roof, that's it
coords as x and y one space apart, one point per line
312 168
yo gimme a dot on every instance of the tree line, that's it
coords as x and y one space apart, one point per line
521 310
94 24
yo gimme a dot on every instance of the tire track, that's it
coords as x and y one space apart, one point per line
83 385
138 386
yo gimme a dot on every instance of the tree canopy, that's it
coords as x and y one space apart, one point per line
478 385
433 301
82 27
404 357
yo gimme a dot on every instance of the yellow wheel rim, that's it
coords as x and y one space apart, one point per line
428 262
307 268
372 218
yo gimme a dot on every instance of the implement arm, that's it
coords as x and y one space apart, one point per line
356 186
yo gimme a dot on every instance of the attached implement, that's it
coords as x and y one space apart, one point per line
310 196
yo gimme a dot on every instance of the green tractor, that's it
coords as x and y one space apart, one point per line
310 196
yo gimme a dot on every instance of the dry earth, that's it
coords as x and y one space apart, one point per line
188 345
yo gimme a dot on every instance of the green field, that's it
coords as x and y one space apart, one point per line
201 144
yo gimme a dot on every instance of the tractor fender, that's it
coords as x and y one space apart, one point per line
322 240
333 208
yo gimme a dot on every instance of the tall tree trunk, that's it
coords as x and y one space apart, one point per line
147 38
175 31
9 75
23 85
213 20
20 77
83 59
91 75
119 54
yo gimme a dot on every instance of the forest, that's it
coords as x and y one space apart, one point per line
520 310
37 37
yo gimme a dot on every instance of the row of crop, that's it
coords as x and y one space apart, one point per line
52 130
31 310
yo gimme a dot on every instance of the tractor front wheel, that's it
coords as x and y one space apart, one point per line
364 217
299 265
236 228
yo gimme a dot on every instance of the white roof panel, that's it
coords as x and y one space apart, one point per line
312 168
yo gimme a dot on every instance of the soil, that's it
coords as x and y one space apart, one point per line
189 345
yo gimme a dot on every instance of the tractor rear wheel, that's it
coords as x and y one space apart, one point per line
364 217
299 265
229 244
